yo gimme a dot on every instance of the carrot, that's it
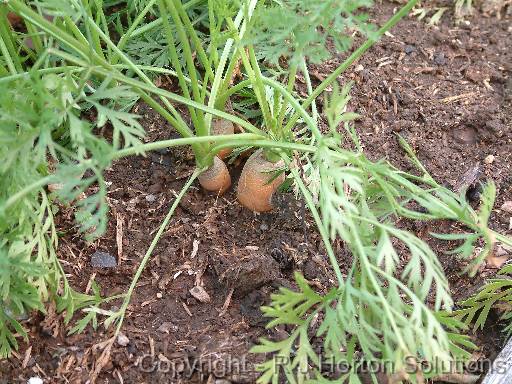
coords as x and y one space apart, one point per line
258 183
223 127
216 178
14 19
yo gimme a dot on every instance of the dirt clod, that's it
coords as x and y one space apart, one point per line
465 135
101 259
247 272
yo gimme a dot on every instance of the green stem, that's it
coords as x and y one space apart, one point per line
93 34
71 68
6 45
173 56
165 114
225 141
213 33
222 81
318 220
155 23
33 17
291 82
76 69
189 28
36 38
103 22
242 138
149 252
126 36
265 143
200 127
504 239
225 89
252 73
72 27
225 95
304 69
270 121
7 56
296 105
247 12
25 191
3 71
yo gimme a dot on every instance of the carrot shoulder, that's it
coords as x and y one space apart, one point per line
223 127
216 178
258 183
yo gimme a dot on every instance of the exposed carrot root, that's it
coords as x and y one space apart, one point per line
14 19
223 127
254 189
216 178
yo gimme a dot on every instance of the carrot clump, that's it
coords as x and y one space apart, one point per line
216 178
258 183
223 127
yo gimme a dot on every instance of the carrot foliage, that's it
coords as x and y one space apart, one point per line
293 29
43 141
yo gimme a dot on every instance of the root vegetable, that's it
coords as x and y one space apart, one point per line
254 189
14 19
216 178
223 127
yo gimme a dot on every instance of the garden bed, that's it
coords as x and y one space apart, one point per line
447 90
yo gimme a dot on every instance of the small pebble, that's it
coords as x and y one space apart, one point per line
489 159
409 49
166 327
507 206
150 198
200 294
123 340
264 227
35 380
159 295
101 259
439 58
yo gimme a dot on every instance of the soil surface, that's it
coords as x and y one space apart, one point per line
447 90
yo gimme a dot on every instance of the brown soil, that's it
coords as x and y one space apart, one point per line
446 89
